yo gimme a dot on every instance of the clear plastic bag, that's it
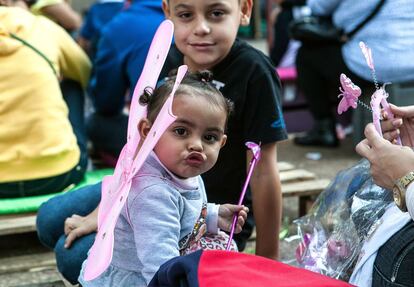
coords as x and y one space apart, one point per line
330 237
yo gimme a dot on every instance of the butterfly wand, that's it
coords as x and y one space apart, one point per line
255 148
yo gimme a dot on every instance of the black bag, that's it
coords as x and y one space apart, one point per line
315 29
321 30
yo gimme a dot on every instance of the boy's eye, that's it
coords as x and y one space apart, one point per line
180 131
217 13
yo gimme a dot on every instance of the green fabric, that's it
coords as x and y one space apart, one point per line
32 203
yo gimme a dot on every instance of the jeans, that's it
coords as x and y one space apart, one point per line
393 266
50 223
74 98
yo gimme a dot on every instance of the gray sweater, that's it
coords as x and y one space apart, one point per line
160 211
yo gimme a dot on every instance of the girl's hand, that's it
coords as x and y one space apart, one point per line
77 226
226 213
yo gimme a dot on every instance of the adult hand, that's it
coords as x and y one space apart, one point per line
388 161
226 213
402 124
77 226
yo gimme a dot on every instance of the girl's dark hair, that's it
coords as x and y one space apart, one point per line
198 83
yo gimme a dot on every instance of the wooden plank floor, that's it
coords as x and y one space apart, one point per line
37 270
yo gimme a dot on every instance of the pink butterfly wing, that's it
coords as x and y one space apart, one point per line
115 188
349 92
342 106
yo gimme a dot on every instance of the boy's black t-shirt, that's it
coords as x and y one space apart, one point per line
248 78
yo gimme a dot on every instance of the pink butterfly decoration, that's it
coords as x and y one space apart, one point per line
115 188
349 92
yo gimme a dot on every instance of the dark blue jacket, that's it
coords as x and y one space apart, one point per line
121 54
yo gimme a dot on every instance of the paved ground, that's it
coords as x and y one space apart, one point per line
332 159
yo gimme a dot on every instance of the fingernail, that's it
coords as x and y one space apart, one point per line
397 122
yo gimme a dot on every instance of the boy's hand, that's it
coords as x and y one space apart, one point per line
226 213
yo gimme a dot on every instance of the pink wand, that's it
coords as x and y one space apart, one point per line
256 156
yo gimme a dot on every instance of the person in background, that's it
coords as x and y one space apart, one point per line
119 60
59 11
280 43
392 164
98 15
390 34
42 132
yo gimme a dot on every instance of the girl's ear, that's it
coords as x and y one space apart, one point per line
223 141
144 127
246 12
166 9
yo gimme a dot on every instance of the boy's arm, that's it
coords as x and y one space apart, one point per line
267 201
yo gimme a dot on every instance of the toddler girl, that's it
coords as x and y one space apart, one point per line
166 213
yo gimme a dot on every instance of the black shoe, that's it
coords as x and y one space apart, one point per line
322 134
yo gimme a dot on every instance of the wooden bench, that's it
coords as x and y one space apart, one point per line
302 184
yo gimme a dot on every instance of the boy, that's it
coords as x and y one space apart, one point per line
205 38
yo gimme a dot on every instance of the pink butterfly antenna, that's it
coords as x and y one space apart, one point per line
255 148
379 98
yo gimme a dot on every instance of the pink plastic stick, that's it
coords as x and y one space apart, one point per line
256 156
379 98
